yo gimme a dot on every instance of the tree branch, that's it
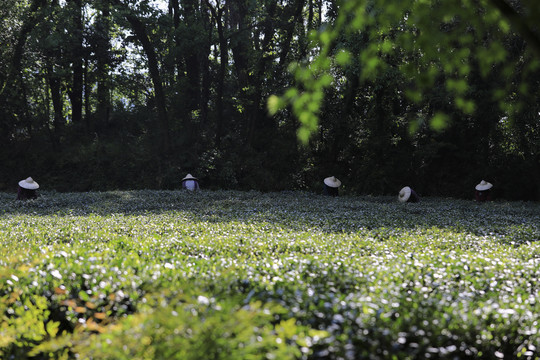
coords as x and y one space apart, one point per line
518 21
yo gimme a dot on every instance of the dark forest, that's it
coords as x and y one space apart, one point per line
101 95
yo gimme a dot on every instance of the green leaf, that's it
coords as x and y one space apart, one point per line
459 86
467 106
414 95
291 93
84 296
325 38
52 328
303 135
325 80
274 104
414 125
343 57
439 122
387 46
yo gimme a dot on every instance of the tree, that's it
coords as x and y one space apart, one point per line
146 93
76 91
444 37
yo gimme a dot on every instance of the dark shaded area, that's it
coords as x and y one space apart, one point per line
382 215
76 119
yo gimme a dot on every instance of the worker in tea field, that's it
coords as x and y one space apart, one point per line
408 195
483 191
27 189
331 185
190 183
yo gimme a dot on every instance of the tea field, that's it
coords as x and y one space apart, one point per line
247 275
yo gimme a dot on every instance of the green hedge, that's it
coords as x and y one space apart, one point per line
245 275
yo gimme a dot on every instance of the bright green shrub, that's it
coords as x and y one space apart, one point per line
165 274
201 328
24 317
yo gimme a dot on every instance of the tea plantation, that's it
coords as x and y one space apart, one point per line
246 275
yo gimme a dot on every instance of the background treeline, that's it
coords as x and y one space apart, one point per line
98 95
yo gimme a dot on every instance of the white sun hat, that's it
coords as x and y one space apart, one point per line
332 181
189 177
484 185
29 184
404 194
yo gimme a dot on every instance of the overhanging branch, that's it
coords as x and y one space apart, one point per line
518 22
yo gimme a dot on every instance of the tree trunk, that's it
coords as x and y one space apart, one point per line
153 68
87 90
205 68
310 15
192 58
241 41
174 10
258 117
26 28
77 88
102 73
290 33
56 97
217 13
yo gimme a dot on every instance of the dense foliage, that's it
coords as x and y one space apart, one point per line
105 95
246 275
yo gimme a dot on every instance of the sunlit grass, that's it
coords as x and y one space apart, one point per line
349 277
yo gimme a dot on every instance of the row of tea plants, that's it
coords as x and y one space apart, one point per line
246 275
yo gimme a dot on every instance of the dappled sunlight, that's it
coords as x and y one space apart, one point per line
341 274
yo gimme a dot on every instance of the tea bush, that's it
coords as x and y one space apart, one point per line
246 275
